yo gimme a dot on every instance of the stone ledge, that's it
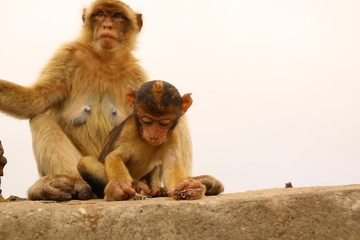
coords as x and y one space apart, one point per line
291 213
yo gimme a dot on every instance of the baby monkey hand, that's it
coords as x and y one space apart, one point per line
123 189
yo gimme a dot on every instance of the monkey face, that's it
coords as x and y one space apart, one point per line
155 130
108 27
111 24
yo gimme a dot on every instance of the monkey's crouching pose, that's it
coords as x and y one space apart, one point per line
145 148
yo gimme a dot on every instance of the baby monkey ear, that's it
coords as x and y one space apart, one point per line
139 20
186 102
131 93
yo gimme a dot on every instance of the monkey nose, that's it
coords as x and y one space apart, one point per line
153 139
107 27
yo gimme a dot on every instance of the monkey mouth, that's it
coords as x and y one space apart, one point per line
108 41
108 36
154 142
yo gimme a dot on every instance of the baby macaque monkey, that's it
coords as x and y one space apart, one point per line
144 150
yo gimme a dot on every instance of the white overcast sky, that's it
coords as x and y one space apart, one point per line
275 83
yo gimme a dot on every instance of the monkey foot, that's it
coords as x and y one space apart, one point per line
59 188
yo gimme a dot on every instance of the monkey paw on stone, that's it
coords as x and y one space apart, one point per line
123 189
60 188
158 192
188 190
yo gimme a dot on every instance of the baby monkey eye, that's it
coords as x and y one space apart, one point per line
146 121
165 123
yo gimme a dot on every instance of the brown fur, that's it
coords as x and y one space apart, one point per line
130 154
81 76
78 98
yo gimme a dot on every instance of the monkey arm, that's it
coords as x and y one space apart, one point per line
173 170
26 102
50 88
119 186
178 184
115 167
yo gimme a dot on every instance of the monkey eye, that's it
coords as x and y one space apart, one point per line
146 121
165 123
100 13
119 15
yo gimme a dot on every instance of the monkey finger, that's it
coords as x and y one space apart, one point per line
62 187
160 192
189 194
115 194
194 194
155 193
182 185
140 186
62 184
82 190
119 189
67 185
129 190
196 185
52 193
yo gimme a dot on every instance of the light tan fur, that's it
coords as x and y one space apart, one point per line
79 75
146 148
78 98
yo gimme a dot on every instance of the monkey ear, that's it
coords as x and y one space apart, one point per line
83 15
186 102
139 20
131 93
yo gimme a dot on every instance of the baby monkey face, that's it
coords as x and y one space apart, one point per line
156 129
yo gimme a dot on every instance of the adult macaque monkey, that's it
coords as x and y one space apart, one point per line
79 97
147 147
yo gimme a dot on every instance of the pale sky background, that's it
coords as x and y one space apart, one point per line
275 83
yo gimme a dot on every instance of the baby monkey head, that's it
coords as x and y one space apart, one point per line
157 106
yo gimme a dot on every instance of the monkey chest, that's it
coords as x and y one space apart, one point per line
96 103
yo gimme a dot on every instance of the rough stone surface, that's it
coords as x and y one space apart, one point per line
291 213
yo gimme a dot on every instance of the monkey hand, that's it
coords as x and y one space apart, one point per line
158 192
60 188
123 189
141 187
188 189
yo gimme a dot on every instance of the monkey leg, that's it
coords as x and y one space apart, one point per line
93 172
56 158
60 188
153 180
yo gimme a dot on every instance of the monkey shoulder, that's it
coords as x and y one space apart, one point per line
74 55
61 66
128 133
